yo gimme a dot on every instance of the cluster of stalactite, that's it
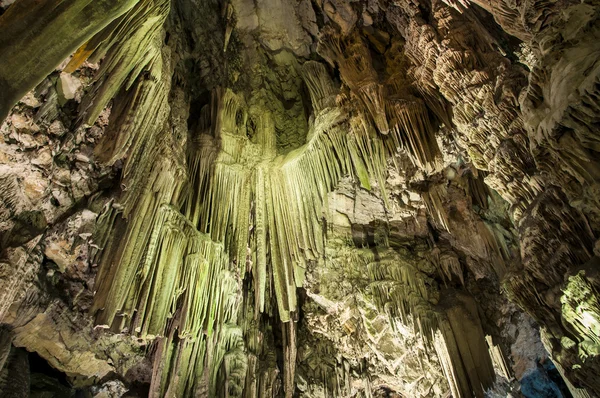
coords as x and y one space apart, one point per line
160 278
57 35
526 143
264 208
178 287
463 70
492 245
197 220
402 291
442 325
268 208
452 329
391 104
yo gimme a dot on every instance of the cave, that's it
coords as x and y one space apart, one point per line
299 198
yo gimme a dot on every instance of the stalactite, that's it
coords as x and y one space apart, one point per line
501 365
22 263
580 308
479 191
433 199
368 155
201 158
320 86
404 115
180 291
403 292
412 123
142 208
282 195
495 247
570 238
289 344
489 242
135 63
511 168
412 129
372 97
445 352
462 347
448 265
353 58
33 27
130 47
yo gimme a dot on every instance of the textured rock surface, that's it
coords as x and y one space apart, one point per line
299 198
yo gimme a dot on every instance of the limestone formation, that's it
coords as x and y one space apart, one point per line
213 198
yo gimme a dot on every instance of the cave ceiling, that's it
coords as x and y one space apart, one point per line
300 198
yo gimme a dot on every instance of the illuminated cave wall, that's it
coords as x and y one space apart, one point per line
291 198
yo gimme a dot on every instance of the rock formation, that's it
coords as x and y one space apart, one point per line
276 198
